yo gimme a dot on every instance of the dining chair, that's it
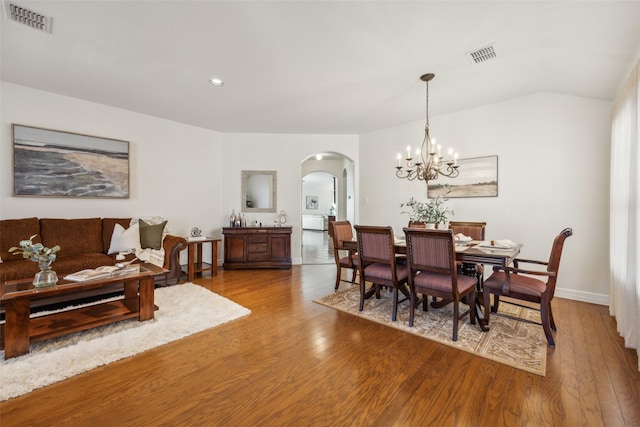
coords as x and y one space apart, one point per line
517 283
342 231
475 230
431 257
378 265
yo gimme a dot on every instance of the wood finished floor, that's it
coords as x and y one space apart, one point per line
317 247
292 362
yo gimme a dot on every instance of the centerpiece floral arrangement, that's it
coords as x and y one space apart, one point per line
36 252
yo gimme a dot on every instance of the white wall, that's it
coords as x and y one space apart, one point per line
284 154
553 172
319 184
175 169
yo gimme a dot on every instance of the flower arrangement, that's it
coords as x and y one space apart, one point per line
36 252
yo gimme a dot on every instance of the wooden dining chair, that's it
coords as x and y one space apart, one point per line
475 230
431 257
517 283
378 265
342 231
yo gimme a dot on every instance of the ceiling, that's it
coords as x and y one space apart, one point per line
318 67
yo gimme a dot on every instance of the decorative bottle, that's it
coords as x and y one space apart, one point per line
243 222
232 218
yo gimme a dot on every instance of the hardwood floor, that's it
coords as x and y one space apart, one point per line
292 362
317 247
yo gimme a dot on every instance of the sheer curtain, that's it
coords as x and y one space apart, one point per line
624 283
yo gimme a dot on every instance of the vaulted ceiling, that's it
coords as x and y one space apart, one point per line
337 67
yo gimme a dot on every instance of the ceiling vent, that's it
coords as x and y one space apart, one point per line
28 17
483 54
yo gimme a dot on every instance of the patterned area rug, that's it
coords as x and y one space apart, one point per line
518 344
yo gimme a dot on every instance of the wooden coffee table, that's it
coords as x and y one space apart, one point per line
20 329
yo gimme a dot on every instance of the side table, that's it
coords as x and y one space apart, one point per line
195 265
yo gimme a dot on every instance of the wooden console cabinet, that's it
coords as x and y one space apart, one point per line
257 247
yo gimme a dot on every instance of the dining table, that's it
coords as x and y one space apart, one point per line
469 253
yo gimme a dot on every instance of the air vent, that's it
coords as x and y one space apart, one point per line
483 54
28 17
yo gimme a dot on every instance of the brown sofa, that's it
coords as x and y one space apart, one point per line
83 242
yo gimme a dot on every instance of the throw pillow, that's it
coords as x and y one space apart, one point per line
151 235
124 240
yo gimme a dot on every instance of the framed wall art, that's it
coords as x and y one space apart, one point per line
478 178
51 163
312 202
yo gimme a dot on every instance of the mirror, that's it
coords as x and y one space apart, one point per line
259 191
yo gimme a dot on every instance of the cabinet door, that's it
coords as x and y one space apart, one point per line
280 248
235 248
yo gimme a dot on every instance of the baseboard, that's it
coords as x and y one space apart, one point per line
590 297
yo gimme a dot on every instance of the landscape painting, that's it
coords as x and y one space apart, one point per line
478 178
50 163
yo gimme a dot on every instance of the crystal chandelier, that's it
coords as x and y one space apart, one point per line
428 163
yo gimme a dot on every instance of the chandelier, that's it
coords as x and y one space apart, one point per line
428 163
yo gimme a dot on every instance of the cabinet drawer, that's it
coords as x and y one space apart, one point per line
258 238
257 256
257 248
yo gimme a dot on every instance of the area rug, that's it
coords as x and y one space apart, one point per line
518 344
184 310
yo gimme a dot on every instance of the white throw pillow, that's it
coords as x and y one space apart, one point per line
124 240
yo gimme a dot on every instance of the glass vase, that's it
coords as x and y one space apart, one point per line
45 277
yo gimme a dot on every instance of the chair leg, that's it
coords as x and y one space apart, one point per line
338 277
553 323
412 308
353 275
496 303
544 316
394 311
363 286
456 314
472 307
487 306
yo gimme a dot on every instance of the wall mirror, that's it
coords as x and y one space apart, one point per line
259 191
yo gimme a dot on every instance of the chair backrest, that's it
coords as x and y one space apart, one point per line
342 231
431 250
375 244
475 230
417 224
554 257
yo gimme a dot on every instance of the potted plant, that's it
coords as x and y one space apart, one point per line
43 256
430 213
440 210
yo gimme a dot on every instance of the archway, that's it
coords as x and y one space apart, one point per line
327 190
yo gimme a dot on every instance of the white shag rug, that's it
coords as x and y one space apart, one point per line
183 310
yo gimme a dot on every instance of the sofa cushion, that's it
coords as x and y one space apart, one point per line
151 235
123 240
75 236
108 225
12 231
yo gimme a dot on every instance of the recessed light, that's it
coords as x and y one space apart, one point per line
216 81
318 156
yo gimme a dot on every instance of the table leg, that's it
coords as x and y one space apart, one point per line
191 268
146 301
16 328
214 257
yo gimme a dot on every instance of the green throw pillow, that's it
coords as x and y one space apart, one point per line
151 235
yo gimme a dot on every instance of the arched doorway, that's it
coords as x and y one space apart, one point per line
327 191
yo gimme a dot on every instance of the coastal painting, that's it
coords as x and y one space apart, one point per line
478 178
51 163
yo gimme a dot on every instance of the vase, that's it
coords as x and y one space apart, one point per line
45 277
